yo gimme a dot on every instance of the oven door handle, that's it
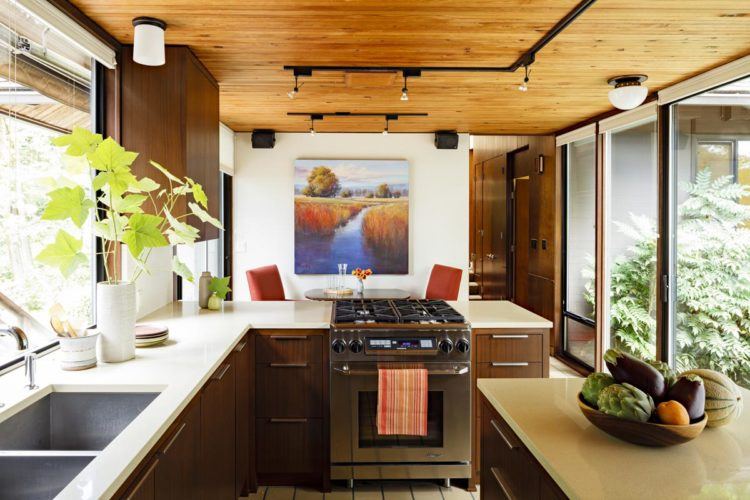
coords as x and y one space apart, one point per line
462 370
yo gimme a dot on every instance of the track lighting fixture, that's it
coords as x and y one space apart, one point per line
405 90
628 93
524 86
313 117
389 117
293 93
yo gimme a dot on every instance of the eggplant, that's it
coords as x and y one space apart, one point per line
690 392
629 369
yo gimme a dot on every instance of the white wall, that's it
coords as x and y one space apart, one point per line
153 290
264 205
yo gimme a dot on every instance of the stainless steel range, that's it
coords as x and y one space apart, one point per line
366 335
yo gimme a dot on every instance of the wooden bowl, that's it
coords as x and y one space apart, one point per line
642 433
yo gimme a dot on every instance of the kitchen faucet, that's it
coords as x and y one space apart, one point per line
22 342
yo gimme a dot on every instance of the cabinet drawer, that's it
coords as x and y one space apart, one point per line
287 347
510 347
509 369
289 446
289 389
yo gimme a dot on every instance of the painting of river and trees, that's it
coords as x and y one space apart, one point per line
351 211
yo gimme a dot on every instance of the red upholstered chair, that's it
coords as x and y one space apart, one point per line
265 283
444 283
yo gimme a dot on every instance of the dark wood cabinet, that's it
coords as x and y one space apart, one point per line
291 408
144 487
509 470
504 353
178 465
243 411
170 114
218 415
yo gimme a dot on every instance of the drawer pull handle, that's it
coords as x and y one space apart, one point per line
289 337
287 420
240 346
510 336
499 481
221 372
503 436
507 363
165 450
288 365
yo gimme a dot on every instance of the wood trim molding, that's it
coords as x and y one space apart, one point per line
642 113
706 81
574 135
600 282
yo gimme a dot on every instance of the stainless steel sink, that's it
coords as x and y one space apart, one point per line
72 420
38 476
46 444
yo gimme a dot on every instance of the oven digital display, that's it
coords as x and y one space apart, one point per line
419 344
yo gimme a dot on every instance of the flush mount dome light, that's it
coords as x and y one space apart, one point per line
628 92
148 41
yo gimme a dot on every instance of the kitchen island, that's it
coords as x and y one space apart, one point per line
543 420
199 344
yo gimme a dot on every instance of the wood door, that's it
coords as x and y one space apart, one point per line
494 224
179 459
218 434
520 244
479 226
243 364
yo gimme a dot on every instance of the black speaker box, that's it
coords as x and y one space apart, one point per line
263 139
446 140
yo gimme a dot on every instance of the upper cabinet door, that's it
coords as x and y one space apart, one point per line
170 114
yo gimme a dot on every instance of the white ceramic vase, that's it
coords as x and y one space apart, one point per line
115 320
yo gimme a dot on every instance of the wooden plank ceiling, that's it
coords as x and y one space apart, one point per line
245 43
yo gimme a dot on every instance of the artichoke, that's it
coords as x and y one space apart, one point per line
593 386
626 401
670 376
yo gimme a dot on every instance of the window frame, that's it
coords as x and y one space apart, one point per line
565 314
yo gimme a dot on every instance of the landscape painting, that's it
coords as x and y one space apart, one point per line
351 211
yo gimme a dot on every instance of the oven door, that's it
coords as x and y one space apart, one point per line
354 402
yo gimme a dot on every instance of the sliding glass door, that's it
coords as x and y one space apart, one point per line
631 195
579 261
710 250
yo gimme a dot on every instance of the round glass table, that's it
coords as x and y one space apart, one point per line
368 294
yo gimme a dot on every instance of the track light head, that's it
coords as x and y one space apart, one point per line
404 94
293 93
525 85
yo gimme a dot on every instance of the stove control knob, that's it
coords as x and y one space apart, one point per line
338 346
356 346
462 346
445 345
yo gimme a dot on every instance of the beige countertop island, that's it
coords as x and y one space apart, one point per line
586 463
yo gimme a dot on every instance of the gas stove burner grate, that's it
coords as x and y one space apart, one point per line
428 312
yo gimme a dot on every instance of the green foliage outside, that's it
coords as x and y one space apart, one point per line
121 217
713 281
322 183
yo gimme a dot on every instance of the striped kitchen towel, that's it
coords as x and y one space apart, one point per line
402 401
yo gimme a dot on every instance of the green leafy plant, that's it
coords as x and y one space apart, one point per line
116 200
713 281
220 287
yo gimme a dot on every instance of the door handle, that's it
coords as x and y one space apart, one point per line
165 450
288 365
289 337
510 445
510 336
240 346
500 483
287 420
220 372
505 363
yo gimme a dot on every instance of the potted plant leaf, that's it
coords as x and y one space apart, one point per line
219 287
118 202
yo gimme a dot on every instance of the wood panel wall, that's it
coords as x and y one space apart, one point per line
543 276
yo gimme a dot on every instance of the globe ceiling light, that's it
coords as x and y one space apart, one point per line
628 93
148 41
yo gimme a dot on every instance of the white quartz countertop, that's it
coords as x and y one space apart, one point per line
499 314
587 463
198 341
